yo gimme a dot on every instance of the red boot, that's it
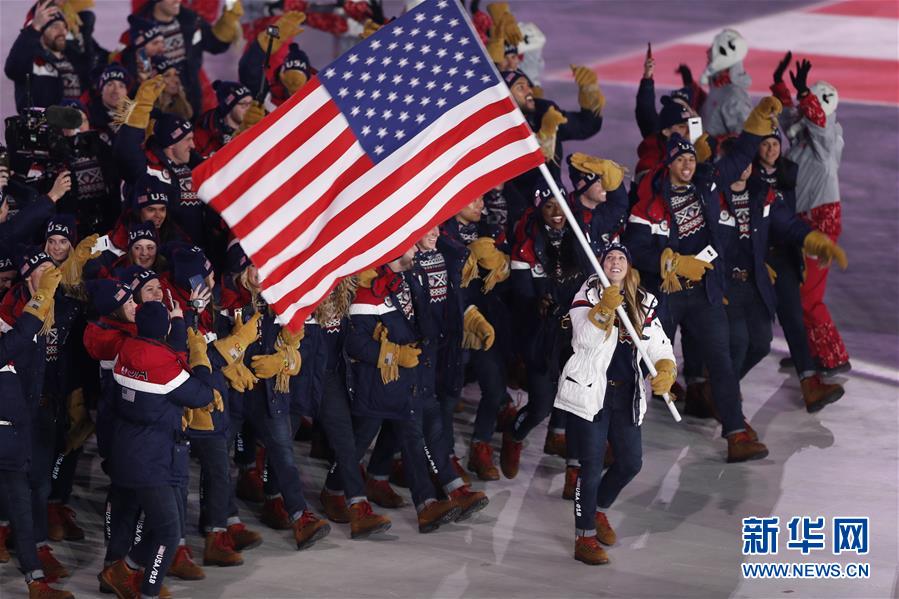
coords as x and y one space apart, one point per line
274 514
53 570
480 461
5 531
184 566
510 455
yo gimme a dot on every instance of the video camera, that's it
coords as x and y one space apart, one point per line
36 137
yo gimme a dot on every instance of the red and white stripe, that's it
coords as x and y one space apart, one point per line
851 44
310 207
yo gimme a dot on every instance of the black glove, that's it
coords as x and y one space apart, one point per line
377 12
800 77
782 66
686 74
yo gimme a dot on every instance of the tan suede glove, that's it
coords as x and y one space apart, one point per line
703 149
818 244
610 172
491 259
239 377
470 270
549 127
293 80
763 118
388 357
366 277
227 28
666 374
602 315
589 96
253 115
407 355
674 265
242 336
477 333
288 27
369 29
265 366
138 112
196 350
41 303
78 257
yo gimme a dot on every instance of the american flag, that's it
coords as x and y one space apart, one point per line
393 137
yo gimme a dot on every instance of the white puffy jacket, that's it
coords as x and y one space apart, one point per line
582 385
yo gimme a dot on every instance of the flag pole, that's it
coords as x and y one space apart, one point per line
622 314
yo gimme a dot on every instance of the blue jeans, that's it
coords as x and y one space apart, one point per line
122 515
275 435
541 395
335 418
708 325
15 497
436 449
415 461
63 473
789 309
614 423
43 444
215 480
491 375
164 521
750 326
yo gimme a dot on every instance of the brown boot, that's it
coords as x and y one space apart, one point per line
750 431
55 529
53 570
308 529
571 474
219 551
184 566
480 461
398 474
510 455
274 515
436 513
588 550
364 521
698 401
61 523
114 578
381 493
459 470
469 502
249 486
741 448
816 394
4 552
138 577
334 507
506 417
604 532
40 589
555 444
242 537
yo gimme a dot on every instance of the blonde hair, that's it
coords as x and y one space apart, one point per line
633 299
337 304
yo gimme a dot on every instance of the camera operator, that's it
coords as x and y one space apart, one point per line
45 143
21 227
44 68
